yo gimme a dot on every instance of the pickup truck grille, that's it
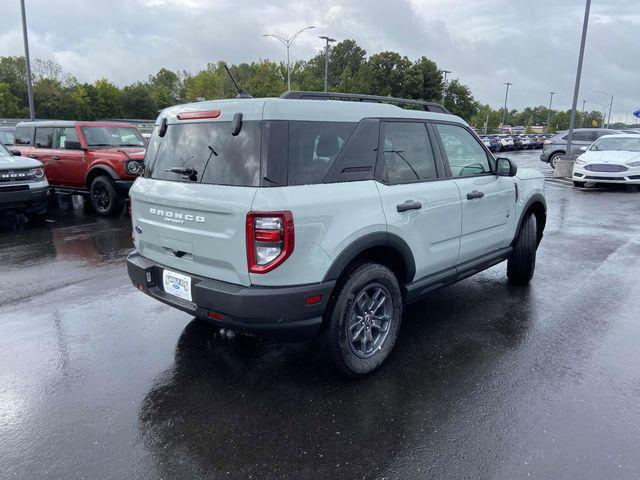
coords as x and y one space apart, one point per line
18 175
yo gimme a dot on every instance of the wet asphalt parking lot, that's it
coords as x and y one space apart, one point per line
486 381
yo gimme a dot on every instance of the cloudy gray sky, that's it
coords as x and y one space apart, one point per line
485 43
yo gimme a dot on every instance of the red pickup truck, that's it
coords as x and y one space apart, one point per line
98 159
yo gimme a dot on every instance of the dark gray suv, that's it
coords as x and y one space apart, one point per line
556 146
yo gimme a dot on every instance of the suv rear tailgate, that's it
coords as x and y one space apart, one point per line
195 228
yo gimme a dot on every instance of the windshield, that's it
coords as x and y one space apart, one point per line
6 138
3 151
112 136
607 144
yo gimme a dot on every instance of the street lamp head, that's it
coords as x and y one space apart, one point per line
328 39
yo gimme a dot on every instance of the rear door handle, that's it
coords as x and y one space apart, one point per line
409 205
55 157
475 194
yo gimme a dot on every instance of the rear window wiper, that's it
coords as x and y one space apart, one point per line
182 171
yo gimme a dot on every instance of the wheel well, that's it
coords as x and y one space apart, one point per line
384 255
96 172
540 213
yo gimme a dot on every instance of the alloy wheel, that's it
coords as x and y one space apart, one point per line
370 320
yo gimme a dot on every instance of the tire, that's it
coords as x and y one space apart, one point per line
104 198
579 184
361 349
555 156
522 261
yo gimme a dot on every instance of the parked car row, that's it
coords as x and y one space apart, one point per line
556 146
506 142
96 159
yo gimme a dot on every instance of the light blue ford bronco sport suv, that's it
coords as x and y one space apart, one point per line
324 214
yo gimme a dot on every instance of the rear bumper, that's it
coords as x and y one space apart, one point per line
275 312
27 201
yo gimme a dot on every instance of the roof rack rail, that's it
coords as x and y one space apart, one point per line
356 97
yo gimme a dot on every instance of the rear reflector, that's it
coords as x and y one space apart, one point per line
214 315
313 299
199 115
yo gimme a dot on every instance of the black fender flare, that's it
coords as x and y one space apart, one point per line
535 198
370 240
100 167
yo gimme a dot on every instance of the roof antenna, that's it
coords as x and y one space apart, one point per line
242 93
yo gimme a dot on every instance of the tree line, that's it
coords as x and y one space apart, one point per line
59 95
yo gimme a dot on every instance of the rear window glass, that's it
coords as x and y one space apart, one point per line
6 137
313 147
207 153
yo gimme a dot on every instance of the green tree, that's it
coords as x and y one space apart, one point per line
136 101
388 74
429 80
204 84
459 100
529 125
9 103
106 100
266 80
166 88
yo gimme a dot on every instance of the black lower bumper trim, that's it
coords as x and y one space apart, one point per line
275 312
26 201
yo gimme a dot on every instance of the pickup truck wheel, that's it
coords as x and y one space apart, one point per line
522 261
104 198
364 320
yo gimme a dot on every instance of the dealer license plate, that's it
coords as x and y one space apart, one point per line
177 284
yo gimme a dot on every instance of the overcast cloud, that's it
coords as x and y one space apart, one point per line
485 43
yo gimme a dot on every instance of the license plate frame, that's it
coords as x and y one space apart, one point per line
177 285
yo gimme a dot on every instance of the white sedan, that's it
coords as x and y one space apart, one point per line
610 159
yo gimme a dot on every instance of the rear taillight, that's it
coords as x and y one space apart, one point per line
270 240
548 142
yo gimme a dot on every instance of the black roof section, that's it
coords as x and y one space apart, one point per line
356 97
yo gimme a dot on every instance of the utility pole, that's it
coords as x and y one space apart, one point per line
584 102
610 105
504 112
486 124
551 94
326 58
25 36
444 89
565 169
287 43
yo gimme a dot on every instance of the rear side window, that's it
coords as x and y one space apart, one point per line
585 136
408 156
207 153
44 137
313 147
64 134
23 136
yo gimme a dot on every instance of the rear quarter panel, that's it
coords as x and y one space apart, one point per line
327 218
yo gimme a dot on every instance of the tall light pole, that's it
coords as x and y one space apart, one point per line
25 36
287 43
444 89
584 102
326 58
565 169
504 112
610 105
551 94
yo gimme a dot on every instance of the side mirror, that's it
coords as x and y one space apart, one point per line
16 153
72 145
584 149
505 167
